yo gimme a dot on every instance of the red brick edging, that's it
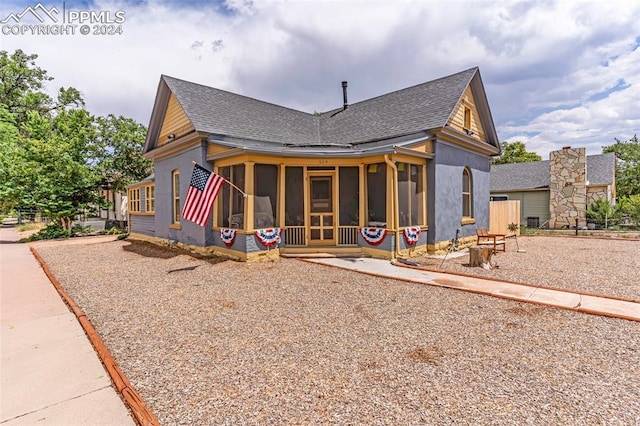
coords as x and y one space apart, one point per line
141 412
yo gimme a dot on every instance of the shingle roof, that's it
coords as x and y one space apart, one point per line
220 112
425 106
520 176
411 110
535 175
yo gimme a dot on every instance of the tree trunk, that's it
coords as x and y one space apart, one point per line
480 256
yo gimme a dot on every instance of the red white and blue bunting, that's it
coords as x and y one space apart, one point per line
269 237
412 234
373 236
228 235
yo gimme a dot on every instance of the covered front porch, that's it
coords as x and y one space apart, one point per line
374 205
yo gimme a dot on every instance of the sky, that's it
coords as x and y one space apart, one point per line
556 72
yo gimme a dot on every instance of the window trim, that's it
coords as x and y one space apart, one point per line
134 200
466 175
466 125
150 201
175 197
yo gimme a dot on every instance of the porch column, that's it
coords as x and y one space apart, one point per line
281 214
249 171
362 200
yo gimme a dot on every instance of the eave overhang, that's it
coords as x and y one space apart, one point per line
237 147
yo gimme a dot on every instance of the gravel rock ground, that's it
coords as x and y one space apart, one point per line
289 342
605 266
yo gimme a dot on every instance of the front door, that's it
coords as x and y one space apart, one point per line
322 218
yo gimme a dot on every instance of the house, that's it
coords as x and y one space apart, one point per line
392 175
554 193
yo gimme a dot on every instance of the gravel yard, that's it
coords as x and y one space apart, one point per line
596 265
289 342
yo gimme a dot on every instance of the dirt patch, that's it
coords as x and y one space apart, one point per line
147 249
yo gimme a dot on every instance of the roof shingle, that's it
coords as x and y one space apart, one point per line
535 175
407 111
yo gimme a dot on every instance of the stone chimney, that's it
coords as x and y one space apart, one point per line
568 187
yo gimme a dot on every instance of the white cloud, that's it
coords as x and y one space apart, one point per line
546 65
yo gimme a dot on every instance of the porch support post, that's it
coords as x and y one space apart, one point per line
392 212
362 200
281 214
249 171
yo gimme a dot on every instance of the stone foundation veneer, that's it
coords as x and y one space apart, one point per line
567 187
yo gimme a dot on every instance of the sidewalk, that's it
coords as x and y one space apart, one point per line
49 372
520 292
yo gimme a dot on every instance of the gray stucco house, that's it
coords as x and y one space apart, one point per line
554 193
388 176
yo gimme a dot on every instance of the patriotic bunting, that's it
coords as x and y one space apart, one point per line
228 235
269 237
373 236
412 234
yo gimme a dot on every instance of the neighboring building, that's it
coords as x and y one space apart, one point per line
389 175
117 211
554 193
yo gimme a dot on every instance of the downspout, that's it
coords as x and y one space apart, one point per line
394 205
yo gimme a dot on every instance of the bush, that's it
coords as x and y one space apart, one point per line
79 230
603 213
629 207
50 232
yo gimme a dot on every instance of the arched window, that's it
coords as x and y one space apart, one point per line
467 193
175 195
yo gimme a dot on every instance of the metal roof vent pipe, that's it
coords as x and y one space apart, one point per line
344 96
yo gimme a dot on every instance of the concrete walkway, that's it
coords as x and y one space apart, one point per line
524 293
49 372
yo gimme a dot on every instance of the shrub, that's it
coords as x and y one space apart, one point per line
603 213
50 232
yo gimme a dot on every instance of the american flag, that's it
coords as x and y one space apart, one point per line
203 190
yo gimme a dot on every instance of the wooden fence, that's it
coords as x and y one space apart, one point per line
501 214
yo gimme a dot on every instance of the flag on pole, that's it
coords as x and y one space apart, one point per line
203 190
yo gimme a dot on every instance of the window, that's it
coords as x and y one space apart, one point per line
377 195
149 199
134 200
467 118
266 189
349 195
294 196
175 194
411 194
231 201
467 193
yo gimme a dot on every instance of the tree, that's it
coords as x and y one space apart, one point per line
53 174
9 160
117 152
55 154
515 152
22 84
628 165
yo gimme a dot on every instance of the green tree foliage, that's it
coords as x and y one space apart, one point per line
515 152
628 167
629 208
55 154
603 212
52 173
118 151
22 84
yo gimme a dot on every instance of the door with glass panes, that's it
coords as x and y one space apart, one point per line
322 208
